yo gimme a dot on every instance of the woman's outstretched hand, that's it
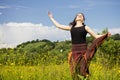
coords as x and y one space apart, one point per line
50 14
109 34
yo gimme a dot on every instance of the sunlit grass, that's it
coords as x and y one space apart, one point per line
51 72
101 72
56 72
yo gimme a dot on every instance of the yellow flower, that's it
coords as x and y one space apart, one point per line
12 64
119 71
21 77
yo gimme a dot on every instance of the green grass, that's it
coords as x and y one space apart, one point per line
56 72
51 72
101 72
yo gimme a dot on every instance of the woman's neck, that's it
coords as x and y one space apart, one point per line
78 24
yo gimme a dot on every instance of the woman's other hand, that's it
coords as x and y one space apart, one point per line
109 34
50 14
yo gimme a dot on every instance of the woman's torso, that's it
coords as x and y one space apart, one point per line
78 34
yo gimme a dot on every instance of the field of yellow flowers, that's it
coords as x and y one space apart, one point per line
56 72
45 60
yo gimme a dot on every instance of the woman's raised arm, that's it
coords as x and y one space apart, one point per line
57 24
91 32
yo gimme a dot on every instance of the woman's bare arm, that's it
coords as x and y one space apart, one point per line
57 24
91 32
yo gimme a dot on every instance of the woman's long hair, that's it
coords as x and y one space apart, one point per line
73 23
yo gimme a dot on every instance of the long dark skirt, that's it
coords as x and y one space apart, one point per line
81 56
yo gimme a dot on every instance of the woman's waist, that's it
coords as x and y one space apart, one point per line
79 47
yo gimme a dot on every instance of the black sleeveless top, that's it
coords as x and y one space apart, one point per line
78 34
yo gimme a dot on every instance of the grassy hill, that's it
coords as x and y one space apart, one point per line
46 60
39 51
44 46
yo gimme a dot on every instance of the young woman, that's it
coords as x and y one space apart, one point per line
80 56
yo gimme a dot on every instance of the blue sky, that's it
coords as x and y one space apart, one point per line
16 14
102 13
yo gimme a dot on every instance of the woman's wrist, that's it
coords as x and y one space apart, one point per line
98 36
51 17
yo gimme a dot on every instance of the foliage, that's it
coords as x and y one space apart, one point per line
116 36
109 52
56 72
38 51
43 57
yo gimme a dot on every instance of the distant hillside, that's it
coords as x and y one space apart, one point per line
37 52
42 46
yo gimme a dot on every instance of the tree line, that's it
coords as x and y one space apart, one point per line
38 52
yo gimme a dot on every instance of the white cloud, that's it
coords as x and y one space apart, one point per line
16 33
89 5
13 33
1 13
74 6
4 6
21 7
14 7
114 30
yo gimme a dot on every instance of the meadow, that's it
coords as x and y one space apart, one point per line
56 72
46 60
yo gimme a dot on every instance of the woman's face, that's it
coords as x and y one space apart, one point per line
79 17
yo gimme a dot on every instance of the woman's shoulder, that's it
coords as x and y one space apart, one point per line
87 27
